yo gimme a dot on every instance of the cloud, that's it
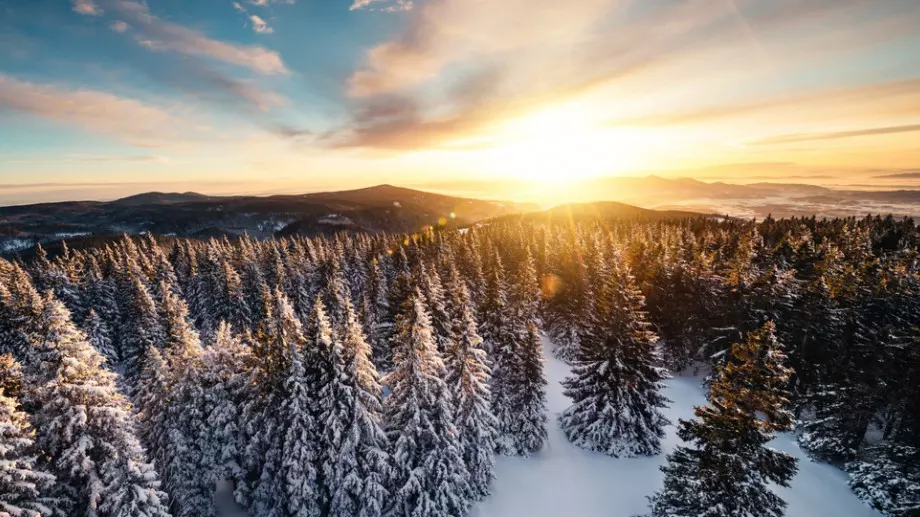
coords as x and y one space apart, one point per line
614 50
259 25
263 3
130 120
119 26
238 7
86 7
204 83
159 35
900 175
390 6
891 98
194 73
836 135
133 158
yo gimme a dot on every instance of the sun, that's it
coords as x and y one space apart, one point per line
560 144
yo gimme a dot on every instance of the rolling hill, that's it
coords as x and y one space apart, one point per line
383 208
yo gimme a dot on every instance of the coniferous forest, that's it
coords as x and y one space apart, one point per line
380 375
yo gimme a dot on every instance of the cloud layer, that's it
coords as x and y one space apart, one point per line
125 119
461 65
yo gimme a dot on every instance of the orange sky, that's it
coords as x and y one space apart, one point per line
816 91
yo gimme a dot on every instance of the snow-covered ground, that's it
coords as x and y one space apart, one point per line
566 480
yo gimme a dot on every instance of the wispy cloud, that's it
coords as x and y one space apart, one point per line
836 135
160 35
126 119
127 158
194 71
263 3
86 7
891 98
259 25
390 6
119 26
621 48
900 175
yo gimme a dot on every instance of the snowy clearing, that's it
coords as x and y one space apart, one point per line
566 480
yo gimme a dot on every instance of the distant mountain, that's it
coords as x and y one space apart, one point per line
750 200
161 198
383 208
601 210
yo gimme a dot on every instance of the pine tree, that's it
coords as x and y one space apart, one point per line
359 489
20 313
141 329
616 382
518 398
85 427
331 404
436 303
887 478
375 310
97 331
429 476
468 376
528 397
25 489
224 388
567 303
729 469
287 485
495 312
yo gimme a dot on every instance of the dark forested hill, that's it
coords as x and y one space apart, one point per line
383 208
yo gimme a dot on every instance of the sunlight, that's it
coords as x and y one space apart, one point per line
564 143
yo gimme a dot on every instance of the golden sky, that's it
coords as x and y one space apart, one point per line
300 95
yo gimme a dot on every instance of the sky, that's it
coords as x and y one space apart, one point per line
100 98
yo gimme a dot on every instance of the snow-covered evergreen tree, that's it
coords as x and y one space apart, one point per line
85 427
141 329
25 489
729 469
435 301
429 478
616 378
468 376
887 477
362 469
97 331
528 398
20 313
287 486
225 386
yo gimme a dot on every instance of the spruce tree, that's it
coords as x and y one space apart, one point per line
362 470
468 376
25 489
225 386
528 397
616 382
287 486
429 478
729 469
330 405
887 478
97 331
85 427
141 329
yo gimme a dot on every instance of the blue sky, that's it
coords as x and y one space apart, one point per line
297 95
